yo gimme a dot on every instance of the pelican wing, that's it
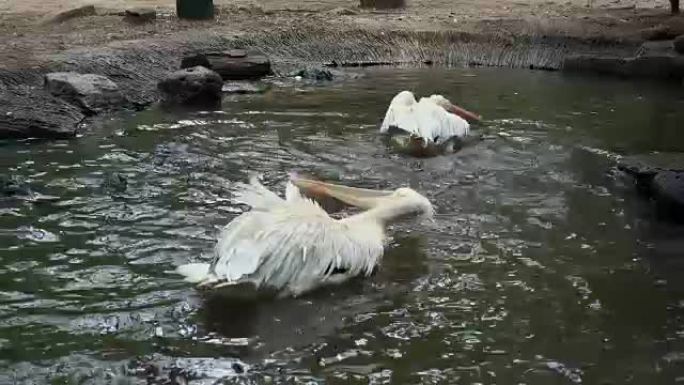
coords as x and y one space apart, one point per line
436 124
401 116
294 246
256 195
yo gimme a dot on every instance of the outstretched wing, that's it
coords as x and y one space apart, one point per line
256 195
295 247
399 116
436 124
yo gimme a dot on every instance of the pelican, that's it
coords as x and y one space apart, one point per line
433 124
293 246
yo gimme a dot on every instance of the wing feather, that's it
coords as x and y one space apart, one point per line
436 124
300 248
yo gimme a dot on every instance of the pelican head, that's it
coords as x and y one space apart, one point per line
454 109
385 205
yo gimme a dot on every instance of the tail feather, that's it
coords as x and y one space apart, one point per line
194 272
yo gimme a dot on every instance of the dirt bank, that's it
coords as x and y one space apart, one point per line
529 33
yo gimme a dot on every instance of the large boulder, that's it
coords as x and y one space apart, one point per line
192 86
37 115
92 93
678 44
232 64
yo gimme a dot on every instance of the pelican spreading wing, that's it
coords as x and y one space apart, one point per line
432 121
292 245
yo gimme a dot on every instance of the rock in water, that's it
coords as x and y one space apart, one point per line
92 93
37 115
192 86
232 64
678 44
668 192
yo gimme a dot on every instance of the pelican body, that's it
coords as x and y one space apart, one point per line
293 246
433 124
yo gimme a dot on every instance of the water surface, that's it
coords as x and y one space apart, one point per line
542 267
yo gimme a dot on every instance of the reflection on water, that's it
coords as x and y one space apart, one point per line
542 266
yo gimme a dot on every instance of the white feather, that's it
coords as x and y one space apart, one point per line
293 245
426 119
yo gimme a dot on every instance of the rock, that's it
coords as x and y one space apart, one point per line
668 193
86 10
140 15
658 32
383 4
37 116
192 86
648 66
659 176
678 44
92 93
314 74
656 48
231 65
243 87
341 11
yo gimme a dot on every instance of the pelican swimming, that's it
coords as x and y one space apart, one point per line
433 124
292 245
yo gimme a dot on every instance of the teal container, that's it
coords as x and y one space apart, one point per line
195 9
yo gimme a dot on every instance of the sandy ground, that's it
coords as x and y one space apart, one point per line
26 35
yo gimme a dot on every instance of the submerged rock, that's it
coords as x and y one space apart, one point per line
192 86
314 74
231 65
92 93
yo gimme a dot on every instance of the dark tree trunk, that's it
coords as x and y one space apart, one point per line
674 6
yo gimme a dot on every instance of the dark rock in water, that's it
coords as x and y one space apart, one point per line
668 192
243 87
660 177
116 182
92 93
646 66
314 74
22 117
678 44
11 186
192 86
140 15
232 64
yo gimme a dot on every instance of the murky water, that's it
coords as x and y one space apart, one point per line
543 266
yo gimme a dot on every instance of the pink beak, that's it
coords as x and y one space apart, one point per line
465 114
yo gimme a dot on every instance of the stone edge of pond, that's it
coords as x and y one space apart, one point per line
27 109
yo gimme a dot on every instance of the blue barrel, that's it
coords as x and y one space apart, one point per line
195 9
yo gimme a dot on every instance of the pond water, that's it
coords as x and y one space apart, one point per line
543 266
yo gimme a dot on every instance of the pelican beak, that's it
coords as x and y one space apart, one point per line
359 197
465 114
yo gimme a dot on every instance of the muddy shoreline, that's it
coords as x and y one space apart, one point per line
137 66
140 55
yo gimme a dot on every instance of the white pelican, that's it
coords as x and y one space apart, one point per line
434 124
292 245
